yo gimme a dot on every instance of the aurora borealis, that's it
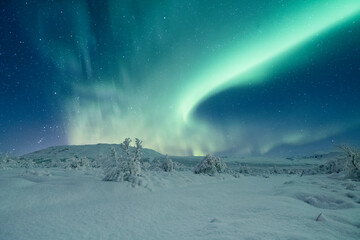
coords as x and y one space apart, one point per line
186 77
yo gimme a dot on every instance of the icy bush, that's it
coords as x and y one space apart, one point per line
180 167
349 163
7 162
210 165
336 165
24 163
276 170
78 163
168 164
352 161
125 167
244 169
145 166
4 161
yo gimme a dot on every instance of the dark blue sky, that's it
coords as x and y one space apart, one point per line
326 90
79 72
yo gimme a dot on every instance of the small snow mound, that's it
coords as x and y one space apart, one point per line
350 195
214 220
38 173
350 186
289 182
325 202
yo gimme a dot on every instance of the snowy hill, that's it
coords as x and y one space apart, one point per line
92 152
98 151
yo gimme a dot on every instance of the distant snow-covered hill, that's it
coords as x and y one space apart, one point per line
91 152
100 151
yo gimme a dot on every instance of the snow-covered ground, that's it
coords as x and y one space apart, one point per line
54 203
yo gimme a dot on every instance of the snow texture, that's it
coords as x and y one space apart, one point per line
53 203
267 199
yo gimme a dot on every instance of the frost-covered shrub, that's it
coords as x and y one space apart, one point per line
244 169
210 165
112 167
154 165
276 170
161 164
349 163
4 161
168 164
336 165
7 162
145 166
98 162
77 163
352 161
25 163
180 167
125 167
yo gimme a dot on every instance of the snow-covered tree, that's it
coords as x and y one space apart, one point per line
348 163
125 167
131 163
336 165
4 160
112 167
138 149
352 161
168 164
210 165
8 162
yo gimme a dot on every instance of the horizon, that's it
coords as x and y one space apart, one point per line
333 149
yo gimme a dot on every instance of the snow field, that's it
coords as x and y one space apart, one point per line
65 204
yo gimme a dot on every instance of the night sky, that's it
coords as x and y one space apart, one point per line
187 77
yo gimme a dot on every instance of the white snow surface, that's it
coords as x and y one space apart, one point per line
54 203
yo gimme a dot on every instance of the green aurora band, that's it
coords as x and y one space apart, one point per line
152 94
243 58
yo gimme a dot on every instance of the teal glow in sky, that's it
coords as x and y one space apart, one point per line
196 76
156 104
